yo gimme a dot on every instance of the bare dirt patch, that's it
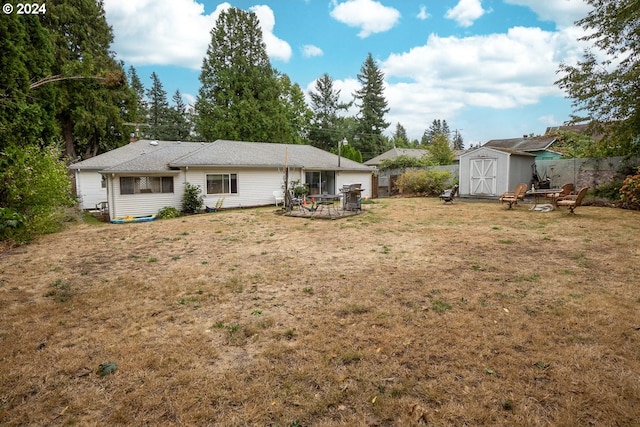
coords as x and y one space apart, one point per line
413 313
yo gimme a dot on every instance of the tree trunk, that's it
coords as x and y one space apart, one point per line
67 135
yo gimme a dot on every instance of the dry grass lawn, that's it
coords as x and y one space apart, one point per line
413 313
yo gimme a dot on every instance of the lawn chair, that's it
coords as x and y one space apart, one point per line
279 196
448 195
512 197
573 201
566 190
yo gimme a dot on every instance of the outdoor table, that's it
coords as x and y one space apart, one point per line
541 193
318 201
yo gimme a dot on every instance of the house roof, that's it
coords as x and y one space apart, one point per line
162 156
262 154
532 143
395 152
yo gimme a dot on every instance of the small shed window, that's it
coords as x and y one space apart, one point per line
146 184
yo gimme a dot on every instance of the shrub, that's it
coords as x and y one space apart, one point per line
192 200
610 191
429 182
168 212
630 191
34 183
403 162
10 221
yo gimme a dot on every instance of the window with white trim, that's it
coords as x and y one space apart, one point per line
222 183
146 184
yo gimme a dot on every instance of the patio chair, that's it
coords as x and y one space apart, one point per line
448 195
573 201
279 196
512 197
566 190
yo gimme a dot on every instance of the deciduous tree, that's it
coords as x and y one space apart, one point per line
606 91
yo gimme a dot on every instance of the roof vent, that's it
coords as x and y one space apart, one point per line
154 142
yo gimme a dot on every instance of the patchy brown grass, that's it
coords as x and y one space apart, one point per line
413 313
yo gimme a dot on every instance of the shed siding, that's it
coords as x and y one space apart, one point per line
89 188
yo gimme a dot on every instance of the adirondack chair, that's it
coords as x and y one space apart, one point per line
573 201
566 190
512 197
448 195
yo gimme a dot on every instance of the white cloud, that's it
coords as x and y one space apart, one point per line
310 50
563 13
447 75
177 32
276 48
423 14
466 12
370 16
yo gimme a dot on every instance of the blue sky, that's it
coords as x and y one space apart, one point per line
485 66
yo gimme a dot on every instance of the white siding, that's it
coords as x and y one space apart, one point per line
142 204
89 189
347 177
255 188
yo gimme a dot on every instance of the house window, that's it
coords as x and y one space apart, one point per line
146 184
103 182
222 183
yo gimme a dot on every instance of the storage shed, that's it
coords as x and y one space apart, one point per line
489 172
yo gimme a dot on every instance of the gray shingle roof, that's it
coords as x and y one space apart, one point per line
161 156
534 143
261 154
395 152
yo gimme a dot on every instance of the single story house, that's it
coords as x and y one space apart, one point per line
144 176
540 146
490 172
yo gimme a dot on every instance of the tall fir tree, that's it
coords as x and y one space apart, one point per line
373 107
458 142
325 130
93 97
158 109
139 116
239 97
179 127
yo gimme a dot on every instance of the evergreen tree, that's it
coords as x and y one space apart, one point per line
93 97
179 128
400 138
438 127
239 97
26 115
607 94
326 106
297 112
458 142
158 108
139 116
373 107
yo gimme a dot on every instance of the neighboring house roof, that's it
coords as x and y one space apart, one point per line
162 156
395 152
532 143
502 150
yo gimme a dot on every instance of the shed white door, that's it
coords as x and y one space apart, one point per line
483 176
